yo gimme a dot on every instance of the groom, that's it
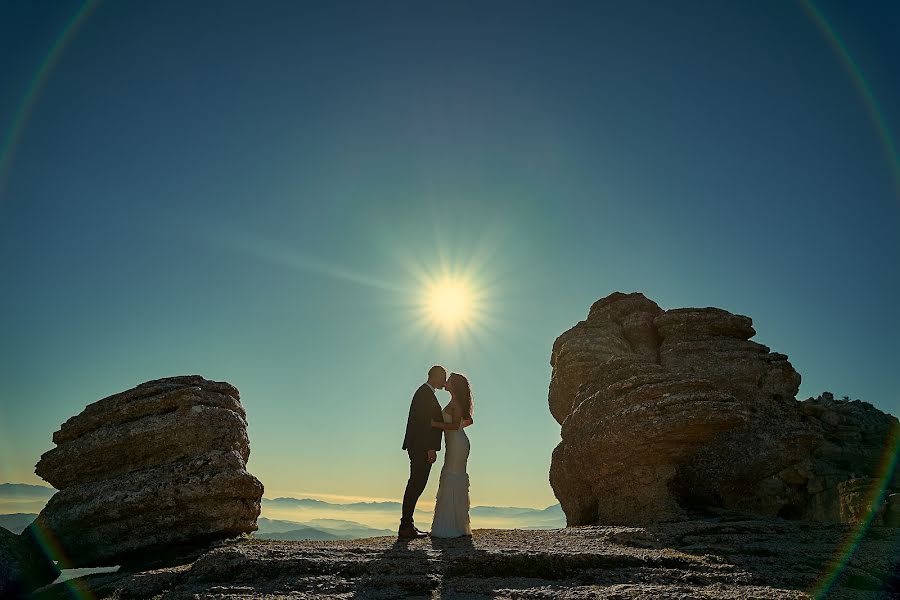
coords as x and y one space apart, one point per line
422 442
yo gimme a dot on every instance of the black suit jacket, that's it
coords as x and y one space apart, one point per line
420 435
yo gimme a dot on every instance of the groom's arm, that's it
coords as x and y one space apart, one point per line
431 444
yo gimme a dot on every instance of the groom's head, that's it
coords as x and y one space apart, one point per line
437 377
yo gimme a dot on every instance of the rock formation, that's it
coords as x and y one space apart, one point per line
157 468
663 410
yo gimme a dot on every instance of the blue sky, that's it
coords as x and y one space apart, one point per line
251 193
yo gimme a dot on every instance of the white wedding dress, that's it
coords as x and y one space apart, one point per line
451 507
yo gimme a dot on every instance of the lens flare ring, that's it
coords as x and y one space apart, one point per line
26 105
883 476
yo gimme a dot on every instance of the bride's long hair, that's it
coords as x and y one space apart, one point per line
463 392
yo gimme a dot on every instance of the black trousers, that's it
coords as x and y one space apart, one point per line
419 468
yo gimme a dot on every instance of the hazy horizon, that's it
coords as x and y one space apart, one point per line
14 500
427 504
274 194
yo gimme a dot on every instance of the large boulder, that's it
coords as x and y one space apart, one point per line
665 410
634 424
157 468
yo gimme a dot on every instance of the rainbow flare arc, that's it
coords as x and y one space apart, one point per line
863 88
888 464
44 538
37 82
875 499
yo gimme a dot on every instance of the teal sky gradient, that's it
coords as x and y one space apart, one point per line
248 192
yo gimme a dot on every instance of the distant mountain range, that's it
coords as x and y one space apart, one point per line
25 491
321 504
20 491
382 515
551 512
17 522
316 529
23 497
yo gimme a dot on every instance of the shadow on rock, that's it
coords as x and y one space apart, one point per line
406 569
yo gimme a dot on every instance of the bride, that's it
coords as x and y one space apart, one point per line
451 509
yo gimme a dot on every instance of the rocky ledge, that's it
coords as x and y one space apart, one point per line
720 556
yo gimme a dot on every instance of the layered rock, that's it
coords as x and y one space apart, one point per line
667 410
158 467
608 475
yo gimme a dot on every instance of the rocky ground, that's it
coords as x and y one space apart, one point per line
717 556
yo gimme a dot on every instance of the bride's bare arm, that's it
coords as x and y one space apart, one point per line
451 426
446 426
458 423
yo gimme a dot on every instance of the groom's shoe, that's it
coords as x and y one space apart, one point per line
410 533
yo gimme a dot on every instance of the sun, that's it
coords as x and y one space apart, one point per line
453 296
449 303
